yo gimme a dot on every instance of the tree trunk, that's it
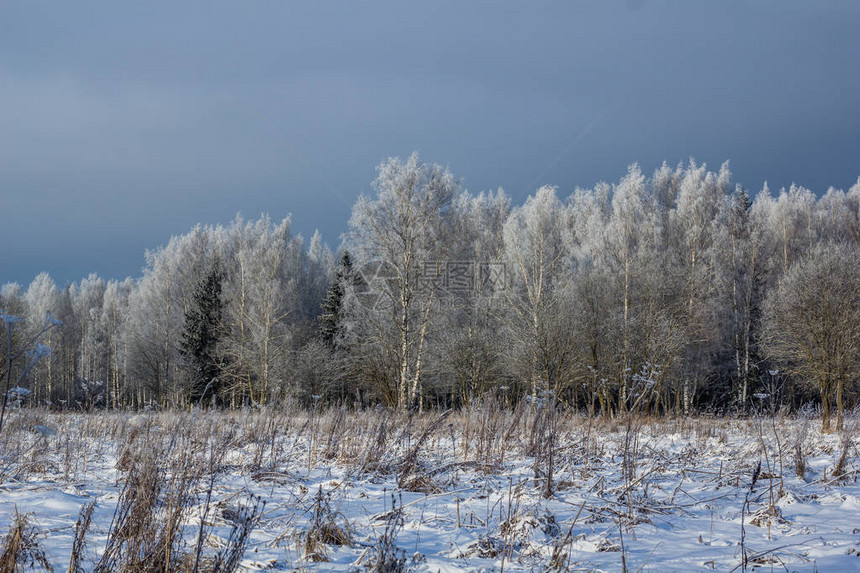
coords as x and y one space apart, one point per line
626 342
840 409
825 408
415 391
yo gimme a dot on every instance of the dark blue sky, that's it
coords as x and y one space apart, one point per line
122 124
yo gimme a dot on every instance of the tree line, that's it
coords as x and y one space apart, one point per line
666 293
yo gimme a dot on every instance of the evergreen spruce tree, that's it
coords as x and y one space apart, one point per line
200 334
330 319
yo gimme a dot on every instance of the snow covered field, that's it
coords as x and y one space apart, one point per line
345 491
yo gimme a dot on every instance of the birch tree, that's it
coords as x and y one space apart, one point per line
739 272
113 319
403 230
43 297
264 281
699 200
87 298
535 255
631 236
470 352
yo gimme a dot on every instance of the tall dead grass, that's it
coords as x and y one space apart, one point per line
169 462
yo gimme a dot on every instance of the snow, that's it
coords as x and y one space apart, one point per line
43 430
680 507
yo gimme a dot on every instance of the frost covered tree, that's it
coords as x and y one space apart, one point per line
151 321
156 310
590 295
698 203
453 295
43 297
791 223
588 212
469 352
269 283
837 216
738 281
113 318
87 298
852 201
812 323
403 233
271 290
320 254
535 256
630 241
22 349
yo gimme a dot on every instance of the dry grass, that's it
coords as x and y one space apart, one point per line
168 462
327 527
79 543
21 547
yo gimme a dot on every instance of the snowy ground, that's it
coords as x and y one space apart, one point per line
659 495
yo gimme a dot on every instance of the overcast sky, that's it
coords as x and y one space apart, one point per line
122 124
